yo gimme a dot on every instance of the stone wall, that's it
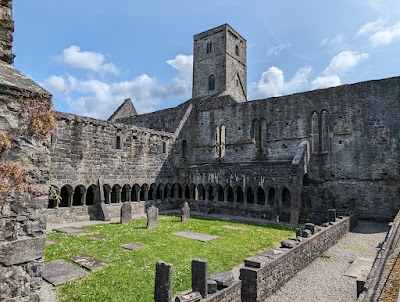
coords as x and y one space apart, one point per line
6 31
21 225
229 294
259 283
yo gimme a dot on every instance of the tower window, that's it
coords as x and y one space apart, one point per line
237 50
209 47
211 82
117 142
164 147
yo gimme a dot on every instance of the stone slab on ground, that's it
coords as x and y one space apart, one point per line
195 236
231 227
70 230
89 262
58 272
360 268
132 246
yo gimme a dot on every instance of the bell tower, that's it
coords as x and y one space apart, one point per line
219 63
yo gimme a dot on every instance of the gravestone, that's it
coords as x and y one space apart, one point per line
126 213
89 262
195 236
163 282
332 215
294 216
70 230
132 246
58 272
152 214
311 227
185 215
101 209
211 286
223 279
199 277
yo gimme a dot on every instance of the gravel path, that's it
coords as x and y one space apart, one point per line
324 279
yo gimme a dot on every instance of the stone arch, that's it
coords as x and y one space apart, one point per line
219 193
126 193
78 198
176 190
201 194
260 195
144 191
167 190
239 194
286 198
229 193
107 193
116 193
152 192
250 195
90 195
135 194
186 192
314 132
209 192
160 190
53 203
271 196
66 196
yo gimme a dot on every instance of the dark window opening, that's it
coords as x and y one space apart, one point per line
118 142
164 147
209 47
237 50
211 82
184 148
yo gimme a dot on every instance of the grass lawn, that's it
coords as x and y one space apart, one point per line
130 275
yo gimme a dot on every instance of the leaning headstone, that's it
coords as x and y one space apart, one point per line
298 232
185 215
152 214
126 212
294 216
211 286
163 282
332 215
306 233
199 277
310 226
223 279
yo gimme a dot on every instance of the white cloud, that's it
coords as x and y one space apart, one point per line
385 36
275 50
272 83
326 81
338 39
371 27
100 98
88 60
344 61
340 64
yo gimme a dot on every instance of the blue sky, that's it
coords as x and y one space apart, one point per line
91 55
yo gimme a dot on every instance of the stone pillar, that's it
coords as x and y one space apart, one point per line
69 200
83 199
163 282
176 192
196 194
199 277
226 194
207 195
146 194
108 199
332 215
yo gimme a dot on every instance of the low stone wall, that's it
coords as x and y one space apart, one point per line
380 274
229 294
259 283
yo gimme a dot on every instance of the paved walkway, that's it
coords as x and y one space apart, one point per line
324 280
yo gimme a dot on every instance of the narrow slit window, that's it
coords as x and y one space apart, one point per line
164 147
237 50
211 82
118 142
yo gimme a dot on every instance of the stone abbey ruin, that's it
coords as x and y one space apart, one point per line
289 158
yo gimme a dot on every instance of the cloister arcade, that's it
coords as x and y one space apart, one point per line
269 196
